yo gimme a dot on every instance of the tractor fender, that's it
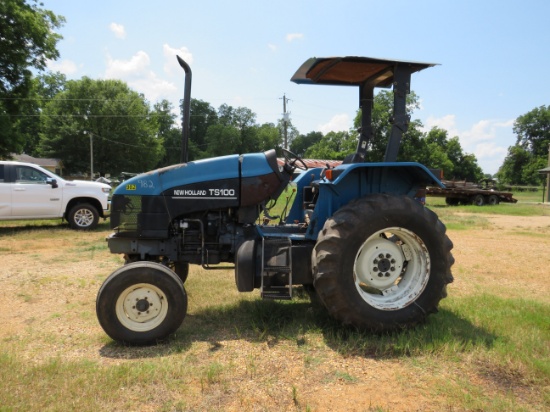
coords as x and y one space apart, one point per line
352 181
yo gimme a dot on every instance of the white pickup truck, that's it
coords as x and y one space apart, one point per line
28 191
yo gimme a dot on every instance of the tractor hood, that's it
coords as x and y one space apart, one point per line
155 198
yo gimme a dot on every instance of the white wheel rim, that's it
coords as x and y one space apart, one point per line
141 307
391 268
83 217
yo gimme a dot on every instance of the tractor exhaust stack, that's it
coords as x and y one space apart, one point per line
185 127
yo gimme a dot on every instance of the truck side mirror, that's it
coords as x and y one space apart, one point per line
52 181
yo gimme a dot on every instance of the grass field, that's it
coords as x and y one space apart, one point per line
488 349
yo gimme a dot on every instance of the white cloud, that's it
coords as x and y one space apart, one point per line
171 65
121 69
487 139
294 36
118 30
447 122
137 73
338 123
153 87
66 67
272 47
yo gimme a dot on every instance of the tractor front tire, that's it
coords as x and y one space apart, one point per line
382 263
141 303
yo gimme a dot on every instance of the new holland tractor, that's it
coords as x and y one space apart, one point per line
357 235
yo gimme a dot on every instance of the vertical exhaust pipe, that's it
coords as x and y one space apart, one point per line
185 129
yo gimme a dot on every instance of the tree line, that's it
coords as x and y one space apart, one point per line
47 115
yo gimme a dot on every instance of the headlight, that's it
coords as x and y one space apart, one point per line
106 189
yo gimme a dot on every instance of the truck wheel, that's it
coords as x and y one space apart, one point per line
141 303
382 263
478 200
83 216
494 200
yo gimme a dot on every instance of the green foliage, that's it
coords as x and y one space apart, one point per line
332 146
302 142
433 149
530 152
125 135
44 88
27 40
203 115
227 130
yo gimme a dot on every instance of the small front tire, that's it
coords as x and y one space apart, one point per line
141 303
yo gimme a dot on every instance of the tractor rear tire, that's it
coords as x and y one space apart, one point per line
141 303
382 263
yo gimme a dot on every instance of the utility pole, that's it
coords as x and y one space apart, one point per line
286 117
548 178
91 156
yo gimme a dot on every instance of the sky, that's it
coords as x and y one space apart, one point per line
493 57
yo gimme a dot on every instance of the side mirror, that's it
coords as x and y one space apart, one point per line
51 181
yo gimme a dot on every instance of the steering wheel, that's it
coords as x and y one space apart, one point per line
293 160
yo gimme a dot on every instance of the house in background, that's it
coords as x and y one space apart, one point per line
53 165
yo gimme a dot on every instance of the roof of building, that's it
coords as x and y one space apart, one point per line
36 160
312 163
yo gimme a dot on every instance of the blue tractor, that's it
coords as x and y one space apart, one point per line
357 235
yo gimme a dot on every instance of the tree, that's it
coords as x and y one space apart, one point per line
382 112
440 152
116 120
222 139
27 40
303 142
202 116
268 137
291 132
433 149
27 124
168 133
530 152
332 146
533 131
520 167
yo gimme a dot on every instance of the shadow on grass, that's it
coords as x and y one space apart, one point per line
300 321
12 228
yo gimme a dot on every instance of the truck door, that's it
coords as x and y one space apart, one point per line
5 193
32 196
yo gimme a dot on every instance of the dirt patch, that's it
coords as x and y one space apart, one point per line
48 286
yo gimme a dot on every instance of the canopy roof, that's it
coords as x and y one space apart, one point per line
352 71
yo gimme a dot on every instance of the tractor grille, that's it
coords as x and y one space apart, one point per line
143 216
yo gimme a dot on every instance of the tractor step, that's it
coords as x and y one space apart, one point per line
276 268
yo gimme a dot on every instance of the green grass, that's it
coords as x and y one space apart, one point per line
234 351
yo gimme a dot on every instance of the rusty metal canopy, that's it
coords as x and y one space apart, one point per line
352 71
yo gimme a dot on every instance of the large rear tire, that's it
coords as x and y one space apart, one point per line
141 303
382 263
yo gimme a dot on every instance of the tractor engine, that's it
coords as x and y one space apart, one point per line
195 212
